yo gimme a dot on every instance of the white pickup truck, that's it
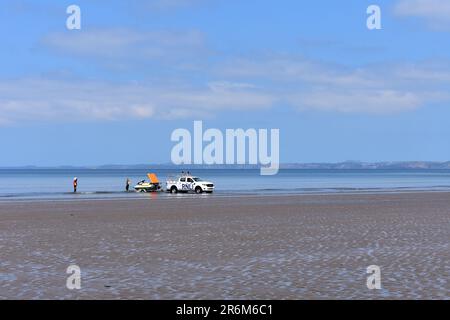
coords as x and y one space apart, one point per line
188 183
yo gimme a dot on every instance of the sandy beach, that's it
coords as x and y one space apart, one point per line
241 247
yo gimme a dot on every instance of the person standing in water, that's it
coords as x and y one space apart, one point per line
127 185
75 184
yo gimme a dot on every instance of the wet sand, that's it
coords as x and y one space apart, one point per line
209 247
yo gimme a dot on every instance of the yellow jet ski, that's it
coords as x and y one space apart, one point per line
148 186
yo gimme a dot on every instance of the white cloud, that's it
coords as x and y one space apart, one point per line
435 12
369 101
34 99
129 45
376 89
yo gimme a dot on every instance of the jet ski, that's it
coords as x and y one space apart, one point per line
148 186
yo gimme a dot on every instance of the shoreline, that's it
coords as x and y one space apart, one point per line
136 196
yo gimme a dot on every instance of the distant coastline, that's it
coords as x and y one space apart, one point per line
346 165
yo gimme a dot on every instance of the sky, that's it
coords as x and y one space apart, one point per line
113 91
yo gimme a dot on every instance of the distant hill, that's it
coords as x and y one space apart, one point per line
371 165
347 165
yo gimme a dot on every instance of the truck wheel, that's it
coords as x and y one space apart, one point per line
198 190
173 189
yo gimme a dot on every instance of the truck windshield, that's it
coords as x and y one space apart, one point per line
197 179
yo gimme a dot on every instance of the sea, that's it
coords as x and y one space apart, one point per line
56 184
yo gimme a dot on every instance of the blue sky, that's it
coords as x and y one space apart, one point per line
113 91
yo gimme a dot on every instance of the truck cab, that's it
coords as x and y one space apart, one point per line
188 183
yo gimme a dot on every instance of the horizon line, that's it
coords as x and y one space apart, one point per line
366 164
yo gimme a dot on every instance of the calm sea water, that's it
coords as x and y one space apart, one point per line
17 184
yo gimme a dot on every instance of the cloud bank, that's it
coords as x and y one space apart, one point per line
435 12
57 100
242 85
254 83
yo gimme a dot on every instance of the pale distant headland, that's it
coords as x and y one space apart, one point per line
347 165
